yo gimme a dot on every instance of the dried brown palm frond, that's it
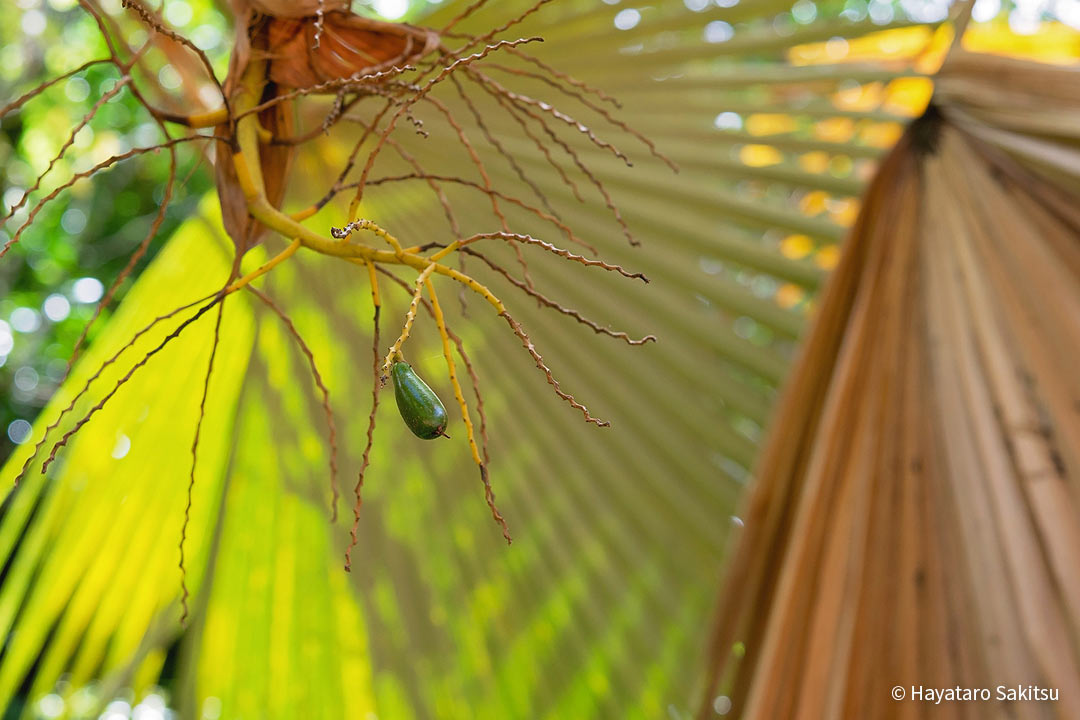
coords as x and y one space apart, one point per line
915 519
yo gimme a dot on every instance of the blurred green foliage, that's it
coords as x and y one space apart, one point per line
77 245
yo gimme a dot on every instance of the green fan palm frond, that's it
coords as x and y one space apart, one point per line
597 608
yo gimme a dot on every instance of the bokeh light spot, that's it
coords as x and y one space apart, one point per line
627 19
56 307
87 290
19 431
718 31
391 9
25 320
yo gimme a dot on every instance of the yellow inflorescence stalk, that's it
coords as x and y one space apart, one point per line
265 267
376 302
207 119
250 179
410 316
301 215
445 251
371 226
251 183
440 322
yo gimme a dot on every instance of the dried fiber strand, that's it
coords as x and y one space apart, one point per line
146 358
375 387
87 173
328 413
194 460
549 303
23 99
105 97
109 361
531 349
500 148
463 62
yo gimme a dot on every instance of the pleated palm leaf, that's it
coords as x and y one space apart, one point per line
774 118
915 526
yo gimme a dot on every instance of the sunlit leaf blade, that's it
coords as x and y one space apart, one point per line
100 550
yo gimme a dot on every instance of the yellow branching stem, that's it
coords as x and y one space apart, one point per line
343 233
464 358
489 494
274 219
212 118
374 280
475 379
265 267
410 316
